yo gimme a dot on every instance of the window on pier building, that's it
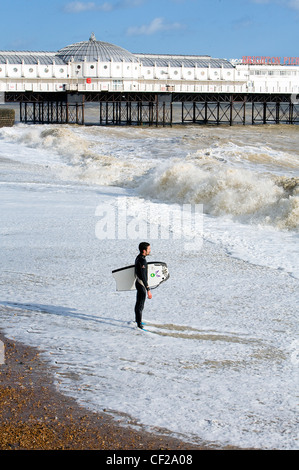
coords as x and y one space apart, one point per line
118 85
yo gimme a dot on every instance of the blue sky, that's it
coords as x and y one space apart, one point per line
220 28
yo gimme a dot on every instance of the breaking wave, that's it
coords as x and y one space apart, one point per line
242 194
242 181
76 155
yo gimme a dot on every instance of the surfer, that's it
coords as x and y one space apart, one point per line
141 281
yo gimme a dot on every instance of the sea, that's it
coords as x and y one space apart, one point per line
218 360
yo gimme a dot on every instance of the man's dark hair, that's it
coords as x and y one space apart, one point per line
143 246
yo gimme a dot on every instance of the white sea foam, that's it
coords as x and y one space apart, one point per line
242 181
223 190
221 361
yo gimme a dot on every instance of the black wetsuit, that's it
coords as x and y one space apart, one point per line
141 286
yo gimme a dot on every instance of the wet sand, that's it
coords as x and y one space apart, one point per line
35 416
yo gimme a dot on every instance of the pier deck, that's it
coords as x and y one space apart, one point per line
163 109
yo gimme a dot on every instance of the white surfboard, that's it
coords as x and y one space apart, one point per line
157 272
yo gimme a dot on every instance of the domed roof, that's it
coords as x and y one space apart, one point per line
94 50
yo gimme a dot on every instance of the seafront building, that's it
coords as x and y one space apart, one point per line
101 72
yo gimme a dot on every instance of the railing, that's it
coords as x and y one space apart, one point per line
138 108
52 112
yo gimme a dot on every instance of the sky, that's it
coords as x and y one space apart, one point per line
219 28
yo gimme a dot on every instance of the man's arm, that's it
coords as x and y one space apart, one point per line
143 275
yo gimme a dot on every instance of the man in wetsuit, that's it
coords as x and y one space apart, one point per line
141 281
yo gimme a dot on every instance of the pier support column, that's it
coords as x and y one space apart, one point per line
277 119
231 111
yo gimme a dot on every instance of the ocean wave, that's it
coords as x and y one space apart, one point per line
239 193
244 182
75 155
262 157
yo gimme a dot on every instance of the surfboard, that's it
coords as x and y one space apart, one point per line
157 272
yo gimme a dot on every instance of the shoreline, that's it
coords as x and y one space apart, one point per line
34 415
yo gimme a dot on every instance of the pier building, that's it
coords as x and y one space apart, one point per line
148 88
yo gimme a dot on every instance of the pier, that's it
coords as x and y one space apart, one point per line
157 109
148 89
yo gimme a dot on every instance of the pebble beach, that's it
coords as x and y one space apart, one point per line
35 416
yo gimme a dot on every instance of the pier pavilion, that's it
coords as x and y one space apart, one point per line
55 87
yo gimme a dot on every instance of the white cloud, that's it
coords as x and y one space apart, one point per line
261 1
294 4
242 23
78 7
132 3
155 26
